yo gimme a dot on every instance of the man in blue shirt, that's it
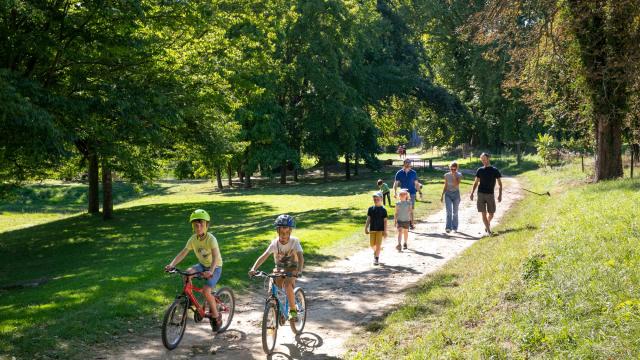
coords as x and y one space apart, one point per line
407 178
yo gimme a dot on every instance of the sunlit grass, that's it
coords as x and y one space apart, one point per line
100 279
561 280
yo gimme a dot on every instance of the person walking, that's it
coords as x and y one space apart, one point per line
407 178
376 226
451 196
486 178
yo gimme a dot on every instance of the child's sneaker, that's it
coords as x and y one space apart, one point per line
293 315
405 246
376 262
398 247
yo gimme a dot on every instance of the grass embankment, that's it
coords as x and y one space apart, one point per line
103 278
561 280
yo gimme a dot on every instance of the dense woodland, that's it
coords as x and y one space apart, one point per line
220 87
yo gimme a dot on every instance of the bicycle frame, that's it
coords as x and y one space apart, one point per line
282 308
189 289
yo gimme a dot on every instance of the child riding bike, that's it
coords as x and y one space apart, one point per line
205 247
287 253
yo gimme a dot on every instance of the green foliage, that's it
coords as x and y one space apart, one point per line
548 149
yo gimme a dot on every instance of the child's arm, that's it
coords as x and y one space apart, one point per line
366 225
300 262
259 262
395 217
385 227
181 255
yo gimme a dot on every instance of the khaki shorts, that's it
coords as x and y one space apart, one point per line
486 202
375 237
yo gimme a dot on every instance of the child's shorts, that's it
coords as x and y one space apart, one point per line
375 237
403 224
213 280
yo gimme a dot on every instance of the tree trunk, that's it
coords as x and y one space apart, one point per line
636 151
247 180
230 175
325 172
219 177
241 176
94 201
295 174
347 166
632 149
283 172
355 165
602 35
107 194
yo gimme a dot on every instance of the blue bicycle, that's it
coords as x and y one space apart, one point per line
276 308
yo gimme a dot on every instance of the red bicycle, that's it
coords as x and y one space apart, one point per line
175 318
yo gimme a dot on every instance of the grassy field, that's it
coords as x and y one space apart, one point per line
99 279
561 280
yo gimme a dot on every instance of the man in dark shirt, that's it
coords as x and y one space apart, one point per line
486 177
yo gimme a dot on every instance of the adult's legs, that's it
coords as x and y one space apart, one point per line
454 213
486 221
413 208
448 205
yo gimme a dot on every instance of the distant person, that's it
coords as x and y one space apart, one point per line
404 151
386 192
205 247
376 226
486 177
451 196
399 151
402 217
407 178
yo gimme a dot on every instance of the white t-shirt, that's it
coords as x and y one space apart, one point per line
281 251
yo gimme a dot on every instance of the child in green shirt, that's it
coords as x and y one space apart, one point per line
386 192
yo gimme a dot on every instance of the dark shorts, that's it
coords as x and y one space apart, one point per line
486 203
403 224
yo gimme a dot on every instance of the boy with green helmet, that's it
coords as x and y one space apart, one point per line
205 247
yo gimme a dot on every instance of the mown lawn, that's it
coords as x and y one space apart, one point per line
561 280
99 279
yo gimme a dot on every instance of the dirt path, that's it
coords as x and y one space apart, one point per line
341 296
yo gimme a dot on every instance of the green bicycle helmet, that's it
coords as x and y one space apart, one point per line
199 214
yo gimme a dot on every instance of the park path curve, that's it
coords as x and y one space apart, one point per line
341 295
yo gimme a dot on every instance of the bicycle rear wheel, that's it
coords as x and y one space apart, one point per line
269 326
301 306
175 322
226 306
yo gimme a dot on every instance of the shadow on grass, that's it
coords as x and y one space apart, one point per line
66 198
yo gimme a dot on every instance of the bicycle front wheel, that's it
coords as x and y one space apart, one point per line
301 307
175 322
226 306
269 326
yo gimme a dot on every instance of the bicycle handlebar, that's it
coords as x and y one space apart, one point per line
274 275
182 272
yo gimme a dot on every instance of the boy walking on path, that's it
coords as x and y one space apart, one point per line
486 177
386 192
407 178
376 226
402 217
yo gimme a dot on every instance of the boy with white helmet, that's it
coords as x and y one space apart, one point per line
287 253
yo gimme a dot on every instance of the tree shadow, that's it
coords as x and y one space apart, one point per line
69 198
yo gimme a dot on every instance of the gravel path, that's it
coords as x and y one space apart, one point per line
341 296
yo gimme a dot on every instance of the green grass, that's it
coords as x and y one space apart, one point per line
103 278
561 280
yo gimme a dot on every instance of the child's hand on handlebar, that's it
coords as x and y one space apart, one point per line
252 273
207 274
168 268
